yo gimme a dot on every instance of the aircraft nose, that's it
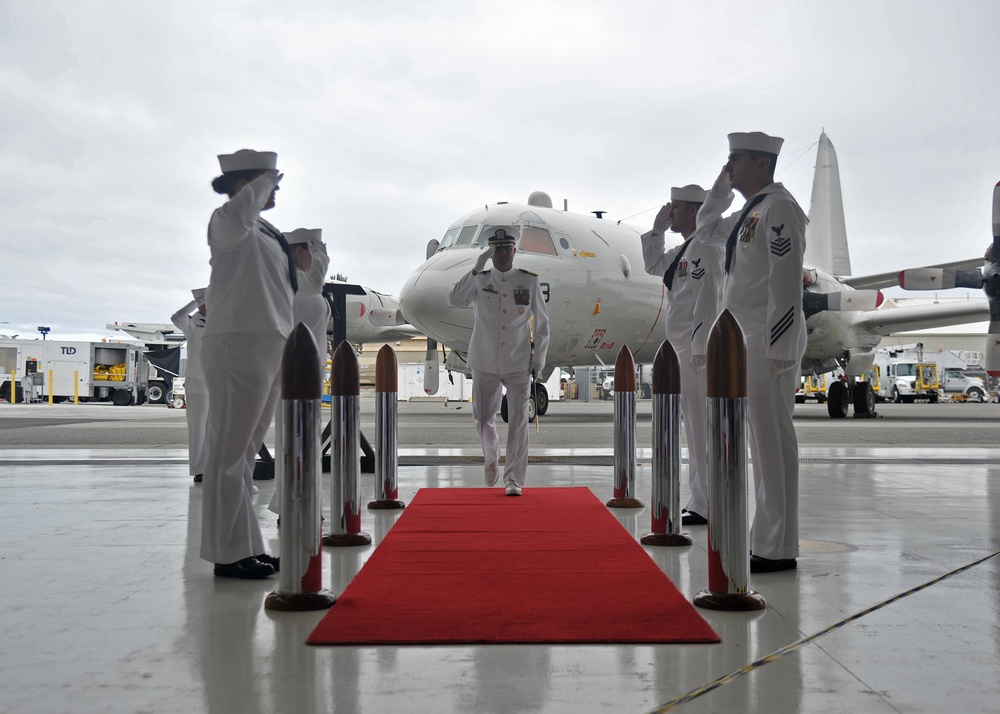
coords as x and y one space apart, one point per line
419 299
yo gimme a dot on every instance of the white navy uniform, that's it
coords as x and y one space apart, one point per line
500 355
192 324
692 307
763 291
250 296
310 307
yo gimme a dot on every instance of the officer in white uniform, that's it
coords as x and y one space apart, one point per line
309 307
765 245
250 293
692 275
500 351
190 320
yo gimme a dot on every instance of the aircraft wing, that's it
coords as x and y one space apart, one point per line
915 317
891 280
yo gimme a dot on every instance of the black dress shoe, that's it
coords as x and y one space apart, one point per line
271 560
690 518
767 565
197 478
247 569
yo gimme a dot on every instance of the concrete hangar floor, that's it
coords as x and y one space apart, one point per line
107 607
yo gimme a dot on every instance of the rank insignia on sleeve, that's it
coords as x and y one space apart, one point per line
699 272
781 246
522 296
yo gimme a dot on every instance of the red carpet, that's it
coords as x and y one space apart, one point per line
472 566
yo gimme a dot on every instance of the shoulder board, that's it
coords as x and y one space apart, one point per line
528 272
483 272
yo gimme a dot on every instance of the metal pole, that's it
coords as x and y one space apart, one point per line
624 494
345 464
728 553
386 432
300 581
665 513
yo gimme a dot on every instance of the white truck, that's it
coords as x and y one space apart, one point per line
960 386
92 371
903 380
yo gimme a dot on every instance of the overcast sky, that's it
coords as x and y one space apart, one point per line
392 119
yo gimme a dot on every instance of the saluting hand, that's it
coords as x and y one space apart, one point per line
661 224
722 186
483 258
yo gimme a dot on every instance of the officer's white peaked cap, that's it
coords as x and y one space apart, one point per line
755 141
248 160
199 295
502 235
303 235
691 193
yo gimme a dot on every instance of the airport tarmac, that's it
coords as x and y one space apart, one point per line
109 609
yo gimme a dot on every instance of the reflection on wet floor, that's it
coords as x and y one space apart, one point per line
109 608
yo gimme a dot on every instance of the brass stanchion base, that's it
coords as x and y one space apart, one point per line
386 504
625 503
733 602
665 539
300 602
345 539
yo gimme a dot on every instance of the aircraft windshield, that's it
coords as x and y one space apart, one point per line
536 240
467 234
449 238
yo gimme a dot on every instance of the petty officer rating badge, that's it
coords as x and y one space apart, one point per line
780 246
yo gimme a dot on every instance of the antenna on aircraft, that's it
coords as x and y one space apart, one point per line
599 214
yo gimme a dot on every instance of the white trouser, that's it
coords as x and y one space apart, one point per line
486 396
774 450
197 426
693 410
242 370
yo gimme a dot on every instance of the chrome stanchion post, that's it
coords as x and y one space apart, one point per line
300 579
386 432
728 553
345 453
624 489
665 498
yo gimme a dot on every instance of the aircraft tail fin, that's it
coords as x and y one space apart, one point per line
826 234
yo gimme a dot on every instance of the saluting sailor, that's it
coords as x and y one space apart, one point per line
765 244
692 274
190 320
501 354
309 307
250 293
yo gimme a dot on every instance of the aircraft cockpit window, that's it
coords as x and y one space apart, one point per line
536 240
530 217
467 234
449 238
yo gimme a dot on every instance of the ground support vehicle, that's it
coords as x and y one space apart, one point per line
90 371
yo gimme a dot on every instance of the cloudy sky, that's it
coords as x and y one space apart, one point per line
392 119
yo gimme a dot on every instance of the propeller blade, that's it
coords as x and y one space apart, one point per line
431 372
940 279
852 300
